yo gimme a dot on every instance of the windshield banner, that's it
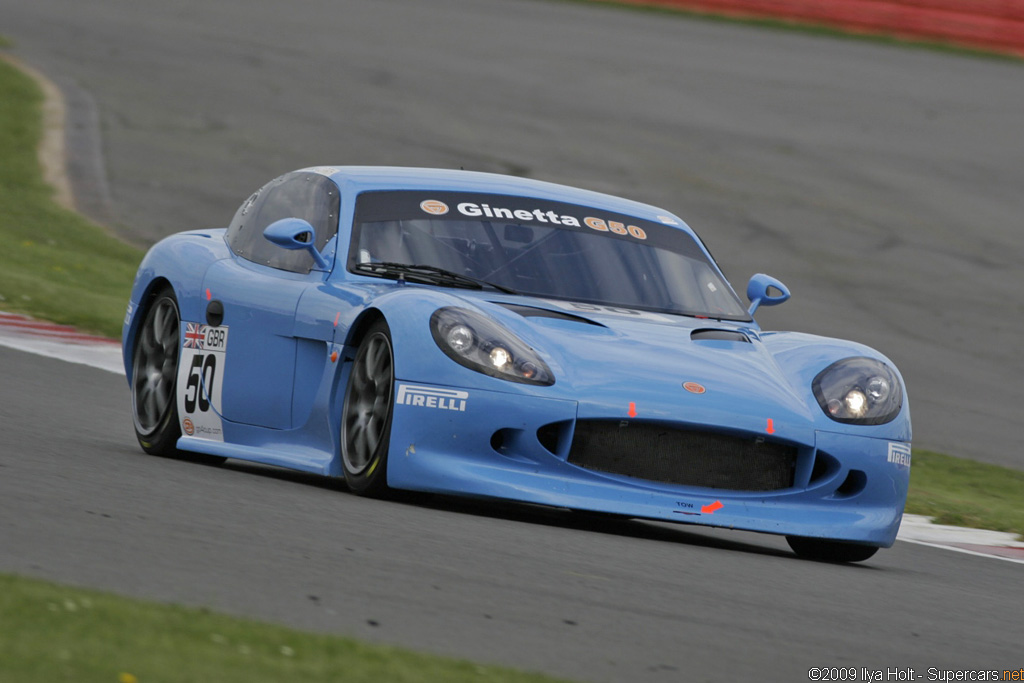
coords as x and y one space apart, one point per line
515 210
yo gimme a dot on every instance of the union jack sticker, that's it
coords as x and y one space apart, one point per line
195 335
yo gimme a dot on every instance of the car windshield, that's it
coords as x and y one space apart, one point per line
538 248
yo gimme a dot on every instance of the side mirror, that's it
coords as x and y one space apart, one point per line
757 292
295 233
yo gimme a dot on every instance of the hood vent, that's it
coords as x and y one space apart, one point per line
534 312
719 335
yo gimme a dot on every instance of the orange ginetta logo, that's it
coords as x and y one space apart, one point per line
434 207
694 388
189 427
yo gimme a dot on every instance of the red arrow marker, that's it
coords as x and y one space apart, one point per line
771 426
710 509
632 409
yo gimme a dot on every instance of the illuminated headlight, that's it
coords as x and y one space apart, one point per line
479 343
861 391
500 358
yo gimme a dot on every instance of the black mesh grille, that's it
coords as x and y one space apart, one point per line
690 458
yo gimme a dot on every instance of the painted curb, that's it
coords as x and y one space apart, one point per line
994 25
60 341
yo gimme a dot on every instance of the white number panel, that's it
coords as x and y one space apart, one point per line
200 376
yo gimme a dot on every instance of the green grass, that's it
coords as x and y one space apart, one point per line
966 493
55 633
54 264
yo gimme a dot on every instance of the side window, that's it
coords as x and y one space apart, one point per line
309 196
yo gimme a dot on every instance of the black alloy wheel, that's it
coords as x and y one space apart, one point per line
154 374
366 414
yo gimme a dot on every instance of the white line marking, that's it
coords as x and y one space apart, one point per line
963 550
920 529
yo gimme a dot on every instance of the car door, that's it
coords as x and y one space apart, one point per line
257 292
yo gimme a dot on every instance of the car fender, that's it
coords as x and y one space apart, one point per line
180 260
802 356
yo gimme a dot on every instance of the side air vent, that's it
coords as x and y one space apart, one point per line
825 467
719 335
554 437
855 482
548 437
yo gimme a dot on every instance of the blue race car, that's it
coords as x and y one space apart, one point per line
481 335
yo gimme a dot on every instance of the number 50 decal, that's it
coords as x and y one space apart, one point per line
200 379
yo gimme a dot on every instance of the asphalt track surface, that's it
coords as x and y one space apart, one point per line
532 588
882 184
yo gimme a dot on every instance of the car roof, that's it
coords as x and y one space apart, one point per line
355 179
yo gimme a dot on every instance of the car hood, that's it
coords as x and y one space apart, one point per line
623 363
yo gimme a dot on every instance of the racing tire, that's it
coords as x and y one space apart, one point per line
823 550
366 414
155 374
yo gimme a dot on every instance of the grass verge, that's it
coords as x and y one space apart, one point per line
57 633
966 493
54 263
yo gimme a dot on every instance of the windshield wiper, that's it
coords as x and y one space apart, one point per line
431 275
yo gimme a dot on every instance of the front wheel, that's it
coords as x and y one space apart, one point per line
824 550
366 413
154 373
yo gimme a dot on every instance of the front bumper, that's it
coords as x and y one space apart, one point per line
845 486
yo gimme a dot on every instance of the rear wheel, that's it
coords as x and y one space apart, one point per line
830 551
366 413
154 373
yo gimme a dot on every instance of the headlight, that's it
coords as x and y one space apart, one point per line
480 344
860 391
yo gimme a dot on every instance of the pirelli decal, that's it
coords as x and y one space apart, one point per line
432 397
899 454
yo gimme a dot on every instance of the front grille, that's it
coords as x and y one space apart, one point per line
690 458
